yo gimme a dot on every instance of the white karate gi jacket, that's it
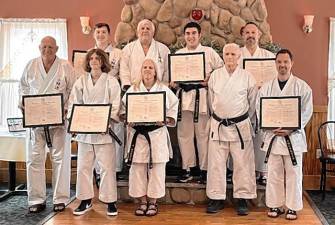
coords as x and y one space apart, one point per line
105 91
36 81
160 139
259 53
133 57
115 55
293 87
229 97
212 62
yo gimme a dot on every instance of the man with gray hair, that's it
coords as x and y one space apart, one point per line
232 93
48 74
134 53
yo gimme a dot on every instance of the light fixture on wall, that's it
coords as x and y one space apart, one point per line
308 22
85 24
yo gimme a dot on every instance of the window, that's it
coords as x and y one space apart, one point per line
331 71
19 41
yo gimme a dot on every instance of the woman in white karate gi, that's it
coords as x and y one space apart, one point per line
149 147
96 87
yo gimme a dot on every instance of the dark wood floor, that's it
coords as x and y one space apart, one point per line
178 215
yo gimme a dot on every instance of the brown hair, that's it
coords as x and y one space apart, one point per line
105 65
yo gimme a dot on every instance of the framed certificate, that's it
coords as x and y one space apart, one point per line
262 69
78 59
145 108
15 124
284 112
187 67
43 110
89 119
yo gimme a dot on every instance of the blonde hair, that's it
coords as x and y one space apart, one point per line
137 83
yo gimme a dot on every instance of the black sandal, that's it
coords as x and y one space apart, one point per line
141 209
275 212
262 180
291 215
60 207
153 208
37 208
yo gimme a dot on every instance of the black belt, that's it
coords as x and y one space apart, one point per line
114 136
289 147
143 130
231 121
187 88
47 136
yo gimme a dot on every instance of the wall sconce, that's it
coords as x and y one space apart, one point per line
85 24
308 22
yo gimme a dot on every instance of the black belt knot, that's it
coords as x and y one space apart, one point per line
231 121
143 130
187 88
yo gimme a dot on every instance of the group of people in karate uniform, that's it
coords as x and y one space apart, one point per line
220 113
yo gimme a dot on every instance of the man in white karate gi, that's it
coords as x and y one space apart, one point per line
192 119
251 50
134 53
285 147
232 93
101 36
48 74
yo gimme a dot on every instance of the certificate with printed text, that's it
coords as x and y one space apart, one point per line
89 119
262 69
145 107
187 67
78 59
280 112
43 110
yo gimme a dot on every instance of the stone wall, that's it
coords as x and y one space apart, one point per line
221 20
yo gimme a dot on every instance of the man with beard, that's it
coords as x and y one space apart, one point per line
285 147
251 50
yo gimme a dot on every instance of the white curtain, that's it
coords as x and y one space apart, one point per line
19 41
331 71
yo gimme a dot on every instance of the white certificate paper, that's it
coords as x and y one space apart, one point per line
78 59
43 110
187 67
262 69
89 119
145 107
284 112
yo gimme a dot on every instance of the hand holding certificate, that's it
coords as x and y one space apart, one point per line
280 112
262 69
43 110
187 67
89 119
145 107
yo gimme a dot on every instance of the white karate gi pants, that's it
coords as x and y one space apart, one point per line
104 154
186 129
60 156
260 166
281 174
244 182
147 182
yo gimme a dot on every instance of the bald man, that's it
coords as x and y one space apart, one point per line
232 93
48 74
251 50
